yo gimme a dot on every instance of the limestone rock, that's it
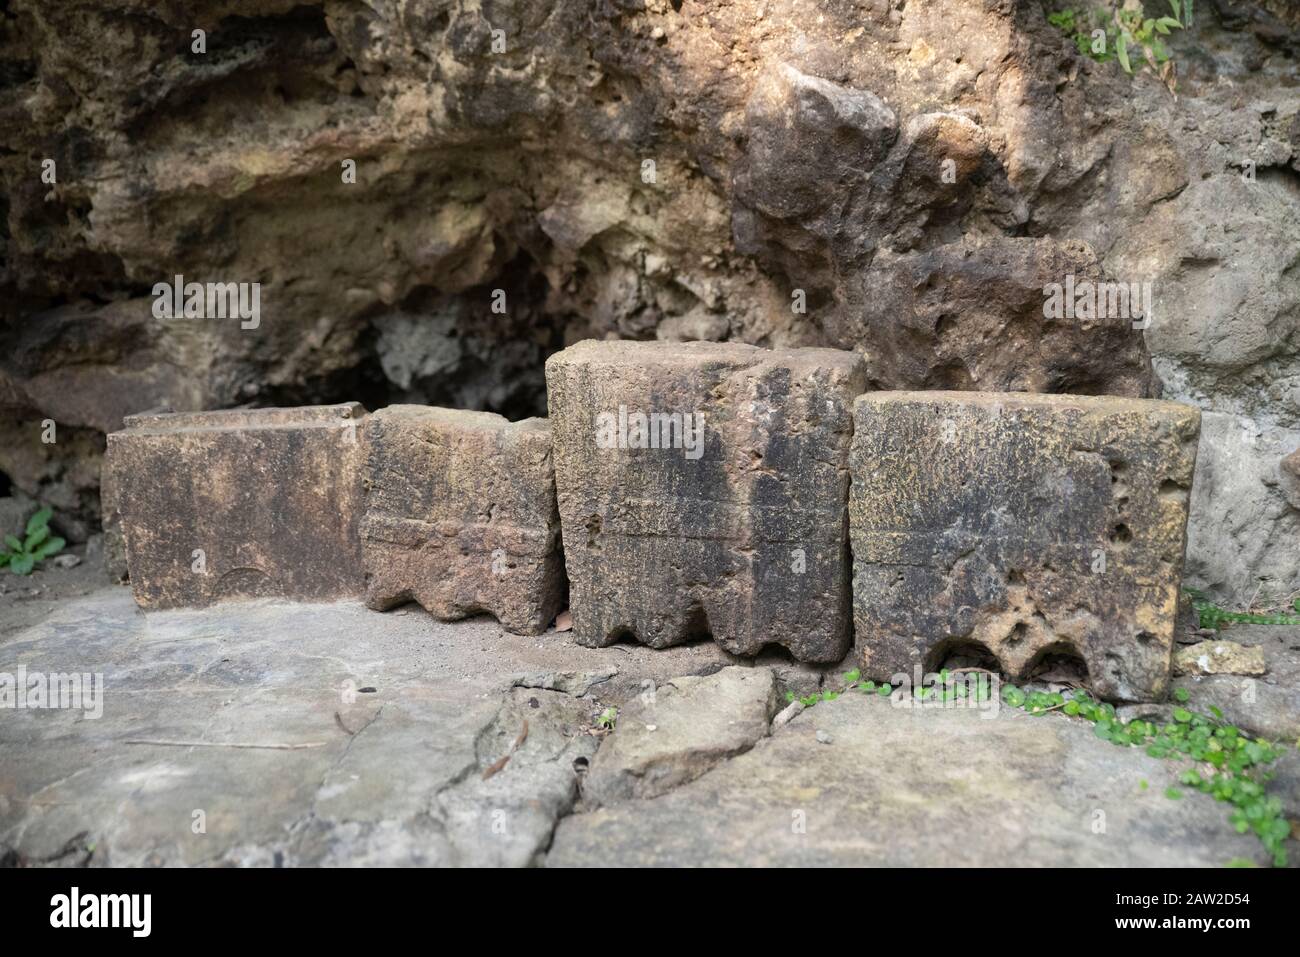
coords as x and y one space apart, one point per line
894 789
460 516
240 504
15 510
808 139
1244 531
1029 525
679 732
1266 705
732 521
1218 657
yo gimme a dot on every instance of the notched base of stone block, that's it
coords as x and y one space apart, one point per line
703 489
461 517
1020 527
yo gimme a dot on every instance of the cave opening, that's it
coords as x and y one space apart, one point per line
483 349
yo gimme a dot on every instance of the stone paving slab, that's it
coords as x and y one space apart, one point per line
856 781
384 730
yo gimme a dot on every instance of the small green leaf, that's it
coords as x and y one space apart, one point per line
852 676
22 564
1173 794
35 538
14 544
51 547
1182 714
39 520
1121 50
1181 695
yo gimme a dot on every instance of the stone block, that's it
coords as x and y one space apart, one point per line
240 504
703 490
1023 525
461 517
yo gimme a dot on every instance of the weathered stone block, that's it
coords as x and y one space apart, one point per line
703 489
240 504
461 516
1029 525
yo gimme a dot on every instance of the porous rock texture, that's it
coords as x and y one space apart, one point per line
1022 525
460 516
240 504
504 146
736 527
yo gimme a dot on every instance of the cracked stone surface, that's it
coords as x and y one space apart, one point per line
398 739
383 726
894 787
680 731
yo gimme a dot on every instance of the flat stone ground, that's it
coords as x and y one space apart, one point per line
269 733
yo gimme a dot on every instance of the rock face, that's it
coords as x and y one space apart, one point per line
460 516
920 171
1241 543
673 734
240 504
702 490
15 510
1028 525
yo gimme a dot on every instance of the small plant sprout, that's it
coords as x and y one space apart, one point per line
1105 33
1223 761
608 718
1211 615
21 556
